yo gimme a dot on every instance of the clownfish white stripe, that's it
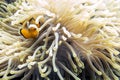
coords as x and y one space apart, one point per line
32 26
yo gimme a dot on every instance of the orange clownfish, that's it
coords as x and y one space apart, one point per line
31 32
30 28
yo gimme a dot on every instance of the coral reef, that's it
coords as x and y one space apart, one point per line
60 40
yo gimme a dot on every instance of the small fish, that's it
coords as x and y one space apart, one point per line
30 27
31 32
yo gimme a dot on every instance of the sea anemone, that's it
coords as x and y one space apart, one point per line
60 40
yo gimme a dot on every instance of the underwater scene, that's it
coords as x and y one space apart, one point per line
59 39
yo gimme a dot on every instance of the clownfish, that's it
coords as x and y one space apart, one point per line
30 28
31 32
